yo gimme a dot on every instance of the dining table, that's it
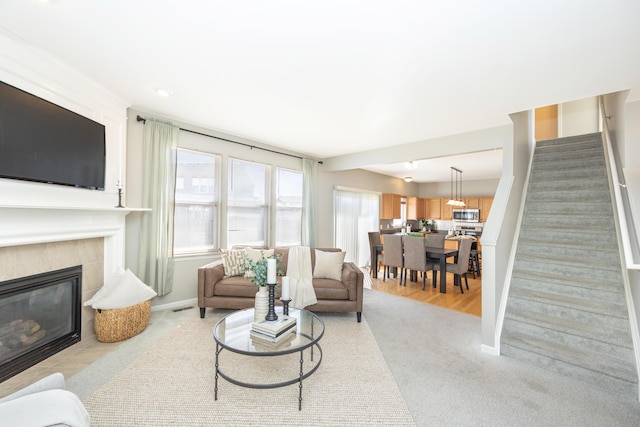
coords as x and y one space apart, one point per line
441 254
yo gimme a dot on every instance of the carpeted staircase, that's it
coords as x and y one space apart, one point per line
566 309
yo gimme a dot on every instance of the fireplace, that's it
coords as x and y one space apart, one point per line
40 315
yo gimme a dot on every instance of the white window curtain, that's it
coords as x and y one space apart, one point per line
155 265
356 213
309 185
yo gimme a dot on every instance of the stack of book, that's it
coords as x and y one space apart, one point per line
273 331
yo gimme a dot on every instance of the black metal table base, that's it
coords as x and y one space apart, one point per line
298 379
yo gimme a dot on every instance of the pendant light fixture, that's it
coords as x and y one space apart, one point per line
456 202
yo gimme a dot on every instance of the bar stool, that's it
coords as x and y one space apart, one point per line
474 260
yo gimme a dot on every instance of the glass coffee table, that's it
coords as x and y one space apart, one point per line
232 333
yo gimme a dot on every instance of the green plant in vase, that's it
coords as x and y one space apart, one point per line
258 269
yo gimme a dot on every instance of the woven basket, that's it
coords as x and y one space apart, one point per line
119 324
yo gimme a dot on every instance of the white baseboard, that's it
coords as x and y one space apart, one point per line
174 305
490 350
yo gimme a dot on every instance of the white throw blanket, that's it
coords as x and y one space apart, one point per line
300 277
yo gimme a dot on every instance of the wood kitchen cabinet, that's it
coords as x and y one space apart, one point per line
472 202
415 208
432 209
485 207
446 210
391 206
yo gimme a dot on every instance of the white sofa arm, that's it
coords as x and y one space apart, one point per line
44 403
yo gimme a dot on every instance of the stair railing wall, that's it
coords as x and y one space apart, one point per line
625 226
512 254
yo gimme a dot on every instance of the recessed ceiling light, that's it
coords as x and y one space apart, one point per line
163 92
408 179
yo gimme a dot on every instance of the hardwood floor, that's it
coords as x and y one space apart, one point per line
470 302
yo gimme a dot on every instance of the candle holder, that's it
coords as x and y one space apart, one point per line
285 306
271 315
119 198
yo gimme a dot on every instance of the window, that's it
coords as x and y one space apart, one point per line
288 207
247 213
197 203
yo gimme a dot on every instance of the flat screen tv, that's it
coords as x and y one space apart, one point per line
43 142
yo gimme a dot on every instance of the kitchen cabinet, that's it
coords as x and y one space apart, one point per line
485 207
472 202
391 206
447 210
415 208
432 209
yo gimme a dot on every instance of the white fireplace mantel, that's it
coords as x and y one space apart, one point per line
25 225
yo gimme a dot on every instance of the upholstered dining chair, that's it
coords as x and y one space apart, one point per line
434 240
393 255
374 239
415 257
460 268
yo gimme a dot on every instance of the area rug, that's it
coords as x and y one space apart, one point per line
172 384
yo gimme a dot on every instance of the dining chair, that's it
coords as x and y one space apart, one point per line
415 257
434 240
460 267
393 255
374 239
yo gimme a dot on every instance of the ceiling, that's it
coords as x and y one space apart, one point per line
338 77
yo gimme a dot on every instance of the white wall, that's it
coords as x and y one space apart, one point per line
578 117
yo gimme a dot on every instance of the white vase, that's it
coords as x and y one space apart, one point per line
261 304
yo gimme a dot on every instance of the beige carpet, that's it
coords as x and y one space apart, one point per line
172 384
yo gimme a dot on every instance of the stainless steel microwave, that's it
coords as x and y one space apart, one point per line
466 215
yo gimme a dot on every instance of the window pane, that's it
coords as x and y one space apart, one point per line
195 177
194 228
288 208
247 183
196 205
246 226
247 213
288 226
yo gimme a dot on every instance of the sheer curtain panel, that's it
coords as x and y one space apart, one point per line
356 213
155 263
309 185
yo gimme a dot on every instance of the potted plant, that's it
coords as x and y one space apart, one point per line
257 271
426 224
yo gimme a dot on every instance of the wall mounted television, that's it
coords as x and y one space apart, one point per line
43 142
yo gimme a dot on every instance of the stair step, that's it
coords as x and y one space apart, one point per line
594 236
569 185
560 174
574 160
572 254
607 274
560 194
571 142
587 345
548 279
539 354
571 207
569 320
569 222
591 292
570 299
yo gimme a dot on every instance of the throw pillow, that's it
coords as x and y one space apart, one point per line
328 265
256 255
233 262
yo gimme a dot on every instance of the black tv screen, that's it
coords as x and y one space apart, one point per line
43 142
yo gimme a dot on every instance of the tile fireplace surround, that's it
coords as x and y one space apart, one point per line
26 260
